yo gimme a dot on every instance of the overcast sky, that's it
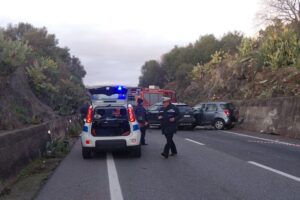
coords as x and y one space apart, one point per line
113 38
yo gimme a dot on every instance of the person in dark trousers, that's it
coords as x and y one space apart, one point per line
141 116
169 116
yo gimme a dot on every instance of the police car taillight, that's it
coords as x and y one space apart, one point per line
131 114
89 115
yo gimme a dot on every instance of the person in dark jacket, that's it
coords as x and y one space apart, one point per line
141 116
169 116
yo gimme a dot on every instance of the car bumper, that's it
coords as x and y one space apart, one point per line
90 141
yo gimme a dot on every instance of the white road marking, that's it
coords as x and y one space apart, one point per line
187 139
114 184
275 171
264 139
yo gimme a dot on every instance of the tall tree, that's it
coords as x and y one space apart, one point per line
152 74
288 11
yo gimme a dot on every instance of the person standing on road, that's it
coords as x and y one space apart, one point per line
140 113
169 116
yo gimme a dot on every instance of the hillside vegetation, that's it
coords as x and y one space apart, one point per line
38 79
235 66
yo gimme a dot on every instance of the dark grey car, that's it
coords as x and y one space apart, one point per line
187 119
218 114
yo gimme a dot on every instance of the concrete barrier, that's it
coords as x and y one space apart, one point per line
19 147
277 116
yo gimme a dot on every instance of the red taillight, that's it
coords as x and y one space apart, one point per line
226 112
131 114
89 114
87 142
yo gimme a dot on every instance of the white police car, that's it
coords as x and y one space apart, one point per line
110 123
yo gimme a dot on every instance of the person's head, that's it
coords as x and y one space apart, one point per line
166 101
139 101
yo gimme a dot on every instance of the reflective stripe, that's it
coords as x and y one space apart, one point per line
85 129
135 127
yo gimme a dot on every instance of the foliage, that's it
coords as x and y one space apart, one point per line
21 113
13 54
57 148
176 64
45 78
152 74
287 11
218 56
230 42
247 47
74 130
183 75
279 46
44 44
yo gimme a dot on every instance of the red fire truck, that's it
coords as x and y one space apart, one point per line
149 95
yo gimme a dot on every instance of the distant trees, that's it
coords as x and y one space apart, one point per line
178 64
152 74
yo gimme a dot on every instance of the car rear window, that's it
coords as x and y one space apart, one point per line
184 108
229 106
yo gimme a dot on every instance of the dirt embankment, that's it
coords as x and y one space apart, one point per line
19 106
230 80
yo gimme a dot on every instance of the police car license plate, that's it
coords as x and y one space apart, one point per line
187 116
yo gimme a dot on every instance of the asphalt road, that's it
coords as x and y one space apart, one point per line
210 165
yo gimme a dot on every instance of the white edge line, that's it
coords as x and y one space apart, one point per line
114 184
187 139
249 136
275 171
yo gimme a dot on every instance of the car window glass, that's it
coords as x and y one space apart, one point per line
229 106
154 108
211 107
184 108
199 107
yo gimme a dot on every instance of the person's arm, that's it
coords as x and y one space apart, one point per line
160 113
176 116
146 118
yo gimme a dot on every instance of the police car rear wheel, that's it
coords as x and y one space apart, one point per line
136 152
86 153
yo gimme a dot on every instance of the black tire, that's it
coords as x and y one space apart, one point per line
136 152
86 153
231 126
219 124
192 127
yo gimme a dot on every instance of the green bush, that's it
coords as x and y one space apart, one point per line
279 46
12 54
246 47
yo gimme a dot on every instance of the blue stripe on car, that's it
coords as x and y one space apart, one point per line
85 129
135 127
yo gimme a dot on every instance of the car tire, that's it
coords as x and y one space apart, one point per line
190 128
231 126
136 152
86 153
219 124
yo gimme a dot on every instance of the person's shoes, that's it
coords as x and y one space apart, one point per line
173 154
164 155
144 144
